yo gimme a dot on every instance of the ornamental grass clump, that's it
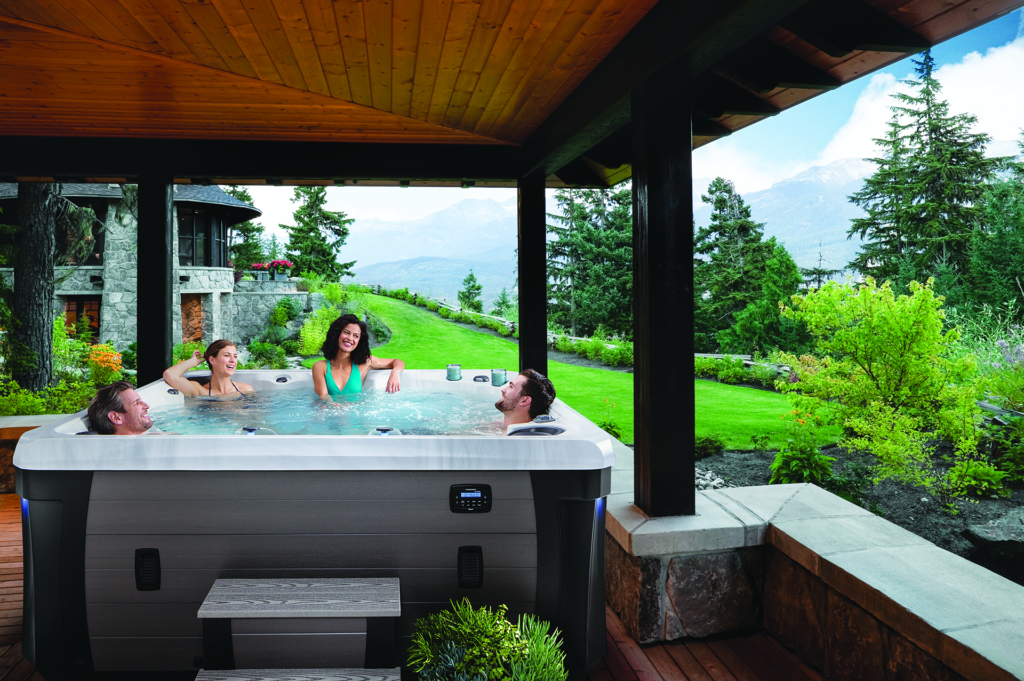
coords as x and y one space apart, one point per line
469 644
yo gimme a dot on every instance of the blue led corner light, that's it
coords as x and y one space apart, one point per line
454 372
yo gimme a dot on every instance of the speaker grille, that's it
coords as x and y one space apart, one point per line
147 569
471 567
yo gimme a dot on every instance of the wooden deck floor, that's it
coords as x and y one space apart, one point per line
756 657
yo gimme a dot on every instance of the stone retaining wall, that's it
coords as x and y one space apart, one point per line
245 315
268 286
206 279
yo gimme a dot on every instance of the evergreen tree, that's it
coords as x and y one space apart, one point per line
271 248
469 296
246 238
996 270
760 326
590 262
317 236
500 303
728 277
817 276
922 202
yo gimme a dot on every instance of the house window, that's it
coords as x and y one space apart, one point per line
76 306
200 238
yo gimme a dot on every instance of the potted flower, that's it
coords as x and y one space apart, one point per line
281 269
261 270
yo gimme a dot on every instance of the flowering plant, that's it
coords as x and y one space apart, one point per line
260 266
104 365
281 266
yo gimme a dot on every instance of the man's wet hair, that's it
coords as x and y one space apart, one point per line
539 389
107 399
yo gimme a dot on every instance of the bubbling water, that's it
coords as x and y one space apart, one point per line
298 412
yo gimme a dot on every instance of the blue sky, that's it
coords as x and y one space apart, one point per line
980 73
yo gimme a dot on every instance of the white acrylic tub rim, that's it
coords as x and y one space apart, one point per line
583 446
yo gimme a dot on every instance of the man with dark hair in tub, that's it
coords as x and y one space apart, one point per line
525 397
118 410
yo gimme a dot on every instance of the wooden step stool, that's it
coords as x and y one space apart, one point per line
377 599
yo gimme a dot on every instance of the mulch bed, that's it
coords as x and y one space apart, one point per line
909 507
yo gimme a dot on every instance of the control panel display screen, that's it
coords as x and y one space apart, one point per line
470 498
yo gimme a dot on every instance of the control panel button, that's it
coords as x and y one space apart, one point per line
470 498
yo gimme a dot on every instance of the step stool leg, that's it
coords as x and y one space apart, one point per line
217 650
380 643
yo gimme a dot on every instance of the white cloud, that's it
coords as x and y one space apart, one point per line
748 171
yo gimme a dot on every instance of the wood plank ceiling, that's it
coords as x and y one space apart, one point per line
453 71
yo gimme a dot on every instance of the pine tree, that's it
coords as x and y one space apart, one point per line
469 296
499 304
817 276
728 277
317 236
590 262
246 238
922 201
271 248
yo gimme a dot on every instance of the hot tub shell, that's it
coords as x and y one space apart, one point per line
300 506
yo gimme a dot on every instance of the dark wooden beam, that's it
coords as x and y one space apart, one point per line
578 174
675 41
615 150
533 275
714 96
762 66
838 27
705 127
154 270
211 160
662 216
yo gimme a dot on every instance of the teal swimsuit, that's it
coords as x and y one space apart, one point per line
354 384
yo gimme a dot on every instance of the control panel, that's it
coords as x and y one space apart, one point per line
470 498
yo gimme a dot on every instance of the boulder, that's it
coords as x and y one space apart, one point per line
1000 544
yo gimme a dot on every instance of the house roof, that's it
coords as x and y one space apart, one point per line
236 211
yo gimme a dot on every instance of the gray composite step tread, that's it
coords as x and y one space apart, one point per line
301 675
317 597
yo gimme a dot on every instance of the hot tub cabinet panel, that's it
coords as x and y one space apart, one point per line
542 541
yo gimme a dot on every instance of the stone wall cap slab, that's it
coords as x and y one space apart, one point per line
755 525
623 456
622 517
998 643
763 501
622 480
831 535
811 501
712 529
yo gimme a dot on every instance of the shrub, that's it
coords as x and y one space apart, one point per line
732 370
291 347
69 354
1006 445
503 330
705 367
273 334
379 330
706 445
311 281
431 305
544 659
278 317
444 312
334 294
130 356
591 349
16 401
67 398
104 364
564 344
799 459
620 355
490 641
314 330
980 477
763 375
182 351
291 306
268 354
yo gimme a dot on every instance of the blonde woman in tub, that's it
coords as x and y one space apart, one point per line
348 360
222 356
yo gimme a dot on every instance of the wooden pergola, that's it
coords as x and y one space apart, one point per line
524 93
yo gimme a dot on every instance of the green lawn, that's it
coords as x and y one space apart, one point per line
735 413
425 341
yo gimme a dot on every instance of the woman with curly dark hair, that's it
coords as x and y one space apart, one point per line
348 360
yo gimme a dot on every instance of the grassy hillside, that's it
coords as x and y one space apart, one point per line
424 341
734 414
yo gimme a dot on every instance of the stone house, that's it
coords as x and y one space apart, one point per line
209 303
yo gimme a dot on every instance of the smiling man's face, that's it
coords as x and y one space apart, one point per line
510 395
135 420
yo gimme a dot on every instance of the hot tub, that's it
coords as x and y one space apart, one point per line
300 506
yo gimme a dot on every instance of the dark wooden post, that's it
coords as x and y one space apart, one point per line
533 275
662 211
155 270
